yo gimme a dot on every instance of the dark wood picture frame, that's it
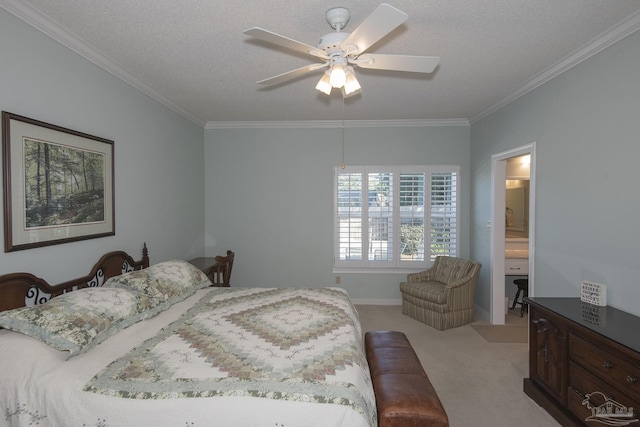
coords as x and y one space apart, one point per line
58 184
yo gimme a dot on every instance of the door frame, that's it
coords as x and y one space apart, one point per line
498 195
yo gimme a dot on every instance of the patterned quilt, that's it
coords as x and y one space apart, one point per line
298 345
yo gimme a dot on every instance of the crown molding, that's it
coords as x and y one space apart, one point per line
41 22
332 124
604 40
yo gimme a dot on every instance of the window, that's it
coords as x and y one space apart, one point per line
394 217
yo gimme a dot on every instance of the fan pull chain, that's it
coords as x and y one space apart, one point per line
343 132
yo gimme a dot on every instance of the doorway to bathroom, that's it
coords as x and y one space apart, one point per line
508 221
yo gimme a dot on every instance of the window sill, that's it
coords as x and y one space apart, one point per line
377 270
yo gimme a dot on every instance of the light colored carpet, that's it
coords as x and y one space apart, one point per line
478 382
503 333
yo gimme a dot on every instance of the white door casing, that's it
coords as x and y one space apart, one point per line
498 179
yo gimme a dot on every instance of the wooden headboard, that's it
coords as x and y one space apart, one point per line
20 289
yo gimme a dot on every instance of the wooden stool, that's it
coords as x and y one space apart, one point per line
523 288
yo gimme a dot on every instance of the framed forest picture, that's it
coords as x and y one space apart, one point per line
58 184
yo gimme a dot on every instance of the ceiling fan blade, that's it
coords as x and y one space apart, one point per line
271 37
410 63
381 22
289 75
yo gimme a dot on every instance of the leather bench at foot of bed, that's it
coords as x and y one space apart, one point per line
404 394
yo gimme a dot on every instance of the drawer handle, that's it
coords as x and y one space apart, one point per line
607 364
631 379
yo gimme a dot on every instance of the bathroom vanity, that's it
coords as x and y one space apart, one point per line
516 254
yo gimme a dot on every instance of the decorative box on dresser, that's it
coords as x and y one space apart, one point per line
579 351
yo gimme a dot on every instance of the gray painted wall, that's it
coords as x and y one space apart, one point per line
268 196
585 125
158 154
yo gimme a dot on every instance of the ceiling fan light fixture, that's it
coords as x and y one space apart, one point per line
339 50
351 84
338 76
324 84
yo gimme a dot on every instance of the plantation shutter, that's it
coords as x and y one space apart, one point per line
444 214
394 217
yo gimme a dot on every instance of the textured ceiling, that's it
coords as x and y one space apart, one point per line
193 56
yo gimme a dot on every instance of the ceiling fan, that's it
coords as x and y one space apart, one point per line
339 51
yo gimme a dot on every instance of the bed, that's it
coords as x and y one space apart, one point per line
138 345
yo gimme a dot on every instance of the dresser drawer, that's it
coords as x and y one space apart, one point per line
618 372
583 383
516 266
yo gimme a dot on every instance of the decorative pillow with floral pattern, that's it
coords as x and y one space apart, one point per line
79 320
166 283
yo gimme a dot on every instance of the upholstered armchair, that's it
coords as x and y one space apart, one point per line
443 296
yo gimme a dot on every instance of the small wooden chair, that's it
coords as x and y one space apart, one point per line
221 274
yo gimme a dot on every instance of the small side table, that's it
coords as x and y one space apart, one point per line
209 267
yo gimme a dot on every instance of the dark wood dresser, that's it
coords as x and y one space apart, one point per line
583 360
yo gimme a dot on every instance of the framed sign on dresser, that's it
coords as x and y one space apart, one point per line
584 362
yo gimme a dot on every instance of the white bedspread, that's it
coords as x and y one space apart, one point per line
170 378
